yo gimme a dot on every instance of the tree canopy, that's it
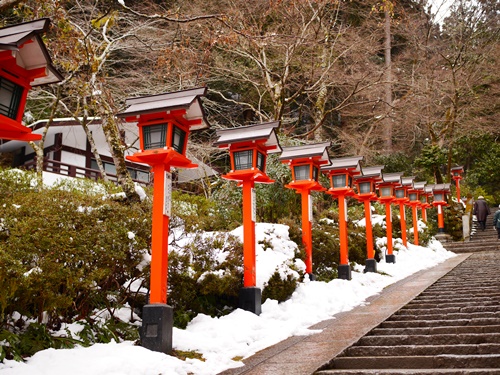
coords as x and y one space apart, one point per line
378 78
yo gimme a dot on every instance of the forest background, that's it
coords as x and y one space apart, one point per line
381 79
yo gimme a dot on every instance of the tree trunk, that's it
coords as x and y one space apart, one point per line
388 83
39 147
117 149
90 138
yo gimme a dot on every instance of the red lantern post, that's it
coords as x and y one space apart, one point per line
386 190
341 173
440 192
456 175
365 184
401 192
414 195
424 200
164 122
305 162
24 63
248 148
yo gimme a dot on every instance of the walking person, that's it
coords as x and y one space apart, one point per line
496 222
481 210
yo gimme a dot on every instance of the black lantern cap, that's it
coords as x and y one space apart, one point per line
316 150
351 163
258 132
30 55
189 100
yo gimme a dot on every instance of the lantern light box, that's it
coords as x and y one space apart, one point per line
24 63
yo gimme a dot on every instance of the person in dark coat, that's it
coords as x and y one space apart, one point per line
481 210
496 222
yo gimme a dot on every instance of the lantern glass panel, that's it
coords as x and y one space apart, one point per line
178 139
423 199
261 161
302 172
154 136
339 181
438 197
365 187
315 173
243 159
385 191
10 98
413 196
400 193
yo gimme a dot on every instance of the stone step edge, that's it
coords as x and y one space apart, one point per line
417 362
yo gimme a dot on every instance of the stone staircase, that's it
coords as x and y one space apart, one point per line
453 327
479 241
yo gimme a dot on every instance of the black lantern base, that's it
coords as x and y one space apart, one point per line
344 271
251 299
157 327
390 258
370 265
311 276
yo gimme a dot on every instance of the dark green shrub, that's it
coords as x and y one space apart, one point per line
278 288
326 251
205 277
67 252
453 220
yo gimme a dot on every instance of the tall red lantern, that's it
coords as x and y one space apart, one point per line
456 175
248 149
386 193
305 162
164 122
414 196
440 192
365 183
341 173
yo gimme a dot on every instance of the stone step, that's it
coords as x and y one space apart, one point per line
448 310
441 339
421 350
439 323
481 371
418 362
435 330
432 298
454 316
453 327
444 305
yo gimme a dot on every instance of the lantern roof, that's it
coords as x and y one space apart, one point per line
392 178
407 181
458 169
25 43
251 133
441 187
189 100
351 164
428 189
419 185
374 172
316 151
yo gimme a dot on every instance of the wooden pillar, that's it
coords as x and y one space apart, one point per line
307 228
249 273
159 240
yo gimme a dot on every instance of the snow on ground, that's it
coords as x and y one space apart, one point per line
224 341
